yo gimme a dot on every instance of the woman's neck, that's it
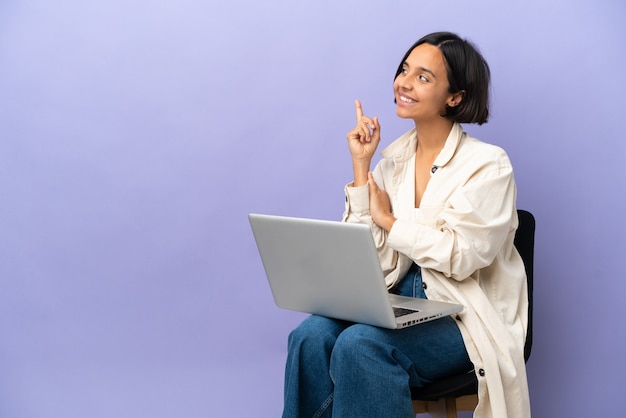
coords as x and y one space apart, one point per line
432 136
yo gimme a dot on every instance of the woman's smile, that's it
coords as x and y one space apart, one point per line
407 100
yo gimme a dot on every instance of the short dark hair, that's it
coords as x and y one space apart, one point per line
467 71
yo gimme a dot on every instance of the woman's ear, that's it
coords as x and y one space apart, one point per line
456 98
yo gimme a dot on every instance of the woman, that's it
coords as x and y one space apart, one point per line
441 206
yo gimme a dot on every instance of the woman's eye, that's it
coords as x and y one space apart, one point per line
423 79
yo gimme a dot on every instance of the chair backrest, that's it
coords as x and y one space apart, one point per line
525 244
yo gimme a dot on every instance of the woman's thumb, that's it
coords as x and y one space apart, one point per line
371 181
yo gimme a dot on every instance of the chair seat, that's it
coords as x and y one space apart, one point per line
453 386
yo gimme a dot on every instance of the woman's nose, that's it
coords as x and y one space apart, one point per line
404 83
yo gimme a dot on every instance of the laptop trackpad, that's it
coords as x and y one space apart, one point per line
404 301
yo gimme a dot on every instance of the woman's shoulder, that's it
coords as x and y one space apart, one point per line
479 149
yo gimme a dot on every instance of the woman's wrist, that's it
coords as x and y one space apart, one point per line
387 222
361 169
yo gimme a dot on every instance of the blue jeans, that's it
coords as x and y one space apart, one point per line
341 369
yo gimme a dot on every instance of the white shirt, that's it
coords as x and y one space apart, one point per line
462 238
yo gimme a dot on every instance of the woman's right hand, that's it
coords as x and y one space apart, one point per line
363 141
365 136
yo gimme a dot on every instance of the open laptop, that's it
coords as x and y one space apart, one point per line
332 269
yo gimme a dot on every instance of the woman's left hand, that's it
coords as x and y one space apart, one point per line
380 205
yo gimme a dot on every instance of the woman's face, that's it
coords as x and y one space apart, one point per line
421 89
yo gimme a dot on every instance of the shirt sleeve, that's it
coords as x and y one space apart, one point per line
357 209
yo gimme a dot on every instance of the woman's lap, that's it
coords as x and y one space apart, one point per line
434 348
362 370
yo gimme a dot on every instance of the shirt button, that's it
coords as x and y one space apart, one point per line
458 318
481 372
424 285
433 169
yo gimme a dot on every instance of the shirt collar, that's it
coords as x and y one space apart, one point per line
404 147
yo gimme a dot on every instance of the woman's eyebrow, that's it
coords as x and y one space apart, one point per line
424 69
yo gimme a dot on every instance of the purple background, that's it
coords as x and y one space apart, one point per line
136 136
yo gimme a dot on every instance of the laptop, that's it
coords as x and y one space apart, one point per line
332 269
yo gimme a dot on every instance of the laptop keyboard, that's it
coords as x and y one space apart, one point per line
398 312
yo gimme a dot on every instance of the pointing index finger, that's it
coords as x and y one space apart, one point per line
359 110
